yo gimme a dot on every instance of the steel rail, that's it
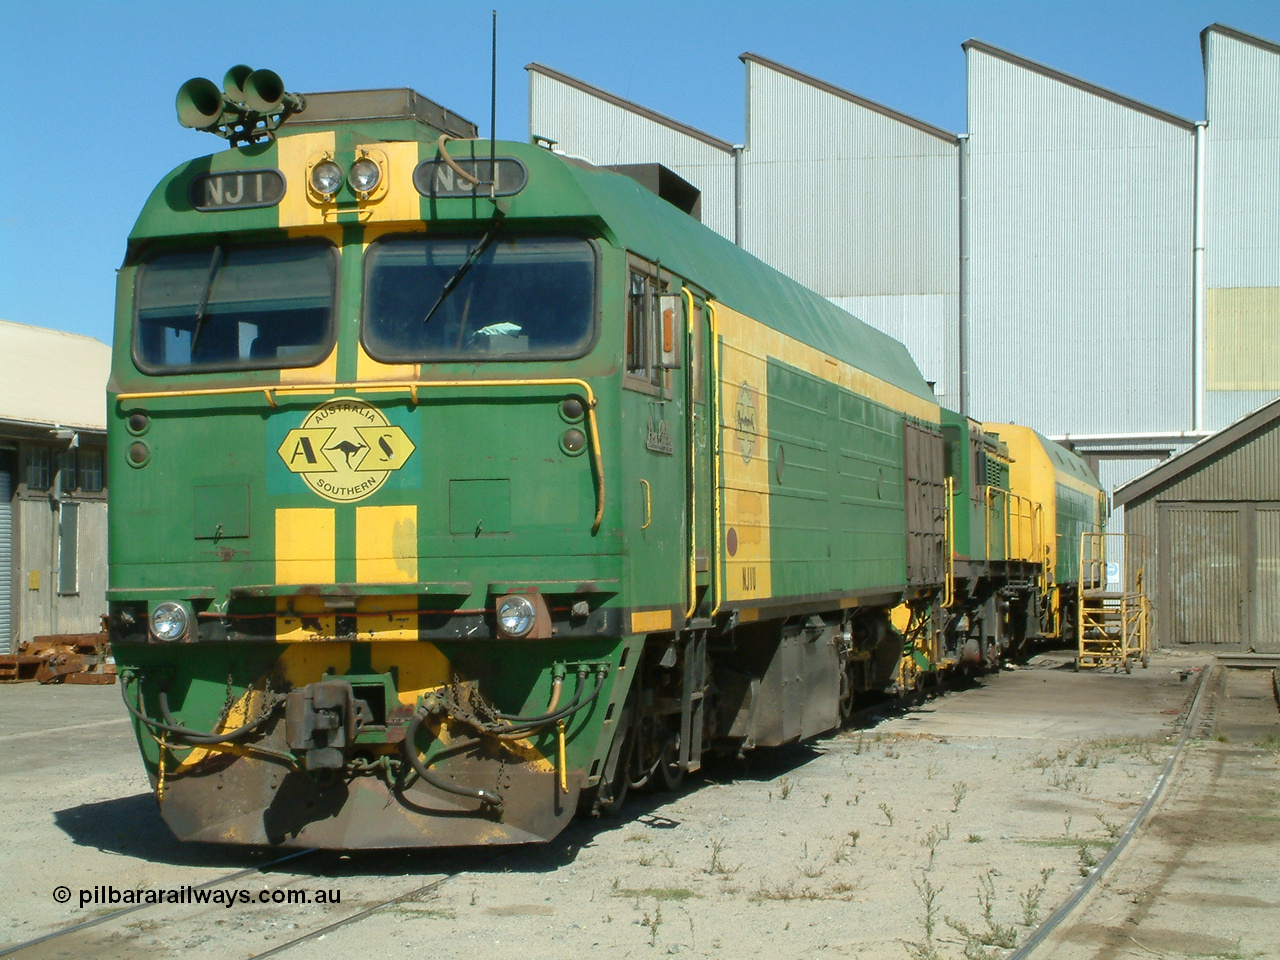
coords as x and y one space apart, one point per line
1139 820
361 914
218 881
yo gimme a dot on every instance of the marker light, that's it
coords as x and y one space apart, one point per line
516 616
326 178
169 621
364 175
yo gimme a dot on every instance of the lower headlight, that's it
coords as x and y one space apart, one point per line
169 621
516 616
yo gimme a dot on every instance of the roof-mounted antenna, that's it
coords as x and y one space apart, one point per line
493 109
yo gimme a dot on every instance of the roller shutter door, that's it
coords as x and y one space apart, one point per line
6 560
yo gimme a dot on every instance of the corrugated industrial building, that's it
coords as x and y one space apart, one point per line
1079 261
53 506
1210 522
1242 197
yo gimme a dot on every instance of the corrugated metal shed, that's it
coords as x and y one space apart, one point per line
877 195
50 377
605 129
1080 230
1210 517
1242 318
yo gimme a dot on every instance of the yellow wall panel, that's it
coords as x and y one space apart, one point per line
1242 339
387 544
401 201
296 209
305 545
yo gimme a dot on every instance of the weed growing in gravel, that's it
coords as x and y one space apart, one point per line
784 787
845 847
654 893
1030 900
1270 742
932 770
973 838
996 934
1087 860
1086 759
888 812
1041 763
1113 829
933 839
958 792
652 924
927 949
650 857
718 867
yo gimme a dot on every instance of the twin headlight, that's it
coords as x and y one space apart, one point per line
169 621
363 177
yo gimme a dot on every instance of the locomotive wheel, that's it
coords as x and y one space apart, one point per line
615 782
846 695
670 773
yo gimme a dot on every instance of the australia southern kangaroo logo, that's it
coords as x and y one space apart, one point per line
345 449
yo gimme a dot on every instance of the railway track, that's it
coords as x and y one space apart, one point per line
1206 683
107 944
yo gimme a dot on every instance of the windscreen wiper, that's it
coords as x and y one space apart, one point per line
462 270
214 263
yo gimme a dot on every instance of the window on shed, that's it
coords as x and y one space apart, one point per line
35 467
67 469
68 540
90 470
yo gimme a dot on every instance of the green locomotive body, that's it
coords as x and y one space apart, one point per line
460 486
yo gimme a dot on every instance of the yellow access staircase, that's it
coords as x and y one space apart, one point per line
1113 623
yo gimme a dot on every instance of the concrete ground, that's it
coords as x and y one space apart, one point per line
943 830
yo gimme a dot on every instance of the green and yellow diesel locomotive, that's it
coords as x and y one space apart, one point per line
460 486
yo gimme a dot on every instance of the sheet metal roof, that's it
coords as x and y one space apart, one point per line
1196 455
52 378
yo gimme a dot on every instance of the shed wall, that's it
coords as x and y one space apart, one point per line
45 610
1242 320
1081 256
862 207
1214 548
606 133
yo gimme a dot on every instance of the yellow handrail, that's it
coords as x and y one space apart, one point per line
690 373
648 506
717 561
948 592
385 386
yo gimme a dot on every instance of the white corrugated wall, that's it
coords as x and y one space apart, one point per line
1242 103
605 133
859 205
6 559
1081 255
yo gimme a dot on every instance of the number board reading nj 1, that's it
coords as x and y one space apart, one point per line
237 190
435 178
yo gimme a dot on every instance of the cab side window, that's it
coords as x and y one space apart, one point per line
643 304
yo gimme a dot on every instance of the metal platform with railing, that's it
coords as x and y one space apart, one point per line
1113 622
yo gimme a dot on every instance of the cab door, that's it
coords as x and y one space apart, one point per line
654 411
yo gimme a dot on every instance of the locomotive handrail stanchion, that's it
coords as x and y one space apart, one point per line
949 590
717 560
412 386
692 485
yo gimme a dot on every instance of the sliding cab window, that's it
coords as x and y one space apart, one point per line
655 319
497 297
230 307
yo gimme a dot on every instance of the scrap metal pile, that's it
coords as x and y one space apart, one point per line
66 658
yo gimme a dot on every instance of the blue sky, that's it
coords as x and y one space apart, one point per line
86 88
